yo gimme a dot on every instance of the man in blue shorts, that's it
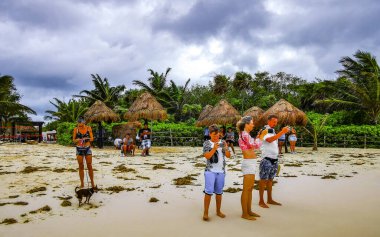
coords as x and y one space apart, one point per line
269 163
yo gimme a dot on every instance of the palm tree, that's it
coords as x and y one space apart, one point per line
103 92
10 108
317 124
66 112
221 84
358 86
174 98
157 82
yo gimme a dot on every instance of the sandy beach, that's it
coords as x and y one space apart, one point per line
331 192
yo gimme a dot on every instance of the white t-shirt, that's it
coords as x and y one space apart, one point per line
269 149
117 142
215 167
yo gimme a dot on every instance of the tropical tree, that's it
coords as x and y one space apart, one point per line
157 82
66 112
174 98
316 123
103 92
221 84
11 110
358 86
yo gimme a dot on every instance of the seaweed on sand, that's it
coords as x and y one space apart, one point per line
153 199
187 180
115 189
66 203
9 221
42 209
232 190
162 166
37 189
31 169
123 169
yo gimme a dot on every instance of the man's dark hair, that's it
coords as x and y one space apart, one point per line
213 128
272 116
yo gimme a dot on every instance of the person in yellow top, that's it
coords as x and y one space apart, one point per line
82 137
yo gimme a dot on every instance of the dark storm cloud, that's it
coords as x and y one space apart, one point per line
211 18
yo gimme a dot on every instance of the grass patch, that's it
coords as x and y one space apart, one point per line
232 190
153 199
37 189
9 221
66 203
123 169
187 180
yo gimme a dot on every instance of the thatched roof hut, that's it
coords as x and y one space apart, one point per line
99 112
287 114
223 113
256 113
146 107
206 110
26 129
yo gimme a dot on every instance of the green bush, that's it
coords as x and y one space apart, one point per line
65 133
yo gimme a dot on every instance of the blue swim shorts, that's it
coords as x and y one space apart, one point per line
268 168
214 183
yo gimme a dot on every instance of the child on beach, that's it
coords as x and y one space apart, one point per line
215 151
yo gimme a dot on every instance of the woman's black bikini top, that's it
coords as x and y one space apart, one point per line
81 136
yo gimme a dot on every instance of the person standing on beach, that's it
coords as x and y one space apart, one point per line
82 137
247 145
230 139
144 134
215 151
269 163
292 141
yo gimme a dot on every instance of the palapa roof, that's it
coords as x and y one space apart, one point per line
223 113
255 112
146 107
206 110
287 114
99 112
122 129
28 129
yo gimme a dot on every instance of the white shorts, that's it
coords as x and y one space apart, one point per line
146 143
248 166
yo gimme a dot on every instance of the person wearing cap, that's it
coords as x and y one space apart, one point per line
82 137
144 134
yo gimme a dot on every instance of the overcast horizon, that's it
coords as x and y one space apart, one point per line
52 47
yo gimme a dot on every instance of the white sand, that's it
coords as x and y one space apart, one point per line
345 206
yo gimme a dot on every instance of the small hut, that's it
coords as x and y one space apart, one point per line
287 114
146 107
121 130
223 113
206 110
256 113
99 112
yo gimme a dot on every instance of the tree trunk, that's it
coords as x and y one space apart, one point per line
315 145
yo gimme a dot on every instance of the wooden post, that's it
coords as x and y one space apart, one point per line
365 141
324 140
171 137
301 140
344 142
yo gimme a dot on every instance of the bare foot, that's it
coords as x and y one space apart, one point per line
251 213
248 217
263 205
221 215
274 203
205 217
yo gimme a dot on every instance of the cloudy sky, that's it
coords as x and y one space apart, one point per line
52 47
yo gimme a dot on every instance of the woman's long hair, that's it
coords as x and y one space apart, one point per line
240 125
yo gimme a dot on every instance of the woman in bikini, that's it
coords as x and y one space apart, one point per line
248 166
82 137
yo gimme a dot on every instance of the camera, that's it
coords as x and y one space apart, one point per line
270 130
